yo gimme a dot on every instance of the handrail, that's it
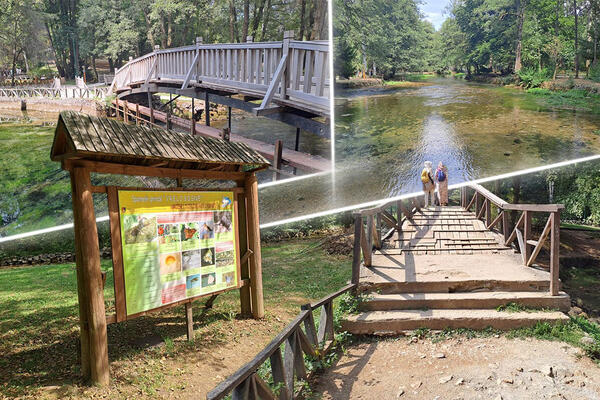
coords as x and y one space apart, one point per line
290 71
245 382
368 234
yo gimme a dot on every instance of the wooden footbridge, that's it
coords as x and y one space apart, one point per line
286 81
451 267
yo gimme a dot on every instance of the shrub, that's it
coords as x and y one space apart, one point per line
533 77
594 72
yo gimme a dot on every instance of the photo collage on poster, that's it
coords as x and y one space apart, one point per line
171 256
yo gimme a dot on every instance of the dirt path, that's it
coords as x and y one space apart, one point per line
459 368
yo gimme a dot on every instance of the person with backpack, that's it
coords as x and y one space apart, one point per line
428 184
441 177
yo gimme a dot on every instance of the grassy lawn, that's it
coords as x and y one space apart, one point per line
149 355
575 99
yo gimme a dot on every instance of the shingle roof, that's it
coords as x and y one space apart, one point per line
85 136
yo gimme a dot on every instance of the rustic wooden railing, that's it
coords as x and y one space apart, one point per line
287 71
369 225
287 366
56 93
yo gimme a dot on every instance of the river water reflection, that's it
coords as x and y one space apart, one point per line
383 136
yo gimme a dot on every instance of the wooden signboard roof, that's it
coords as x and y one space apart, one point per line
82 136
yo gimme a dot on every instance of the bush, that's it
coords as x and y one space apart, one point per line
533 77
594 72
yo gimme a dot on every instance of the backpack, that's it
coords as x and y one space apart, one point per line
425 176
440 175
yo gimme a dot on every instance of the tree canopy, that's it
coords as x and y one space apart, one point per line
385 37
74 34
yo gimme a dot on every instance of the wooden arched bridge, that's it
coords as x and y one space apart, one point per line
286 81
453 266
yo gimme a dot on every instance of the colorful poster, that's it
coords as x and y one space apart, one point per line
176 245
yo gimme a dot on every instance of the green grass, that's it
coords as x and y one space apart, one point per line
39 321
577 99
515 307
579 227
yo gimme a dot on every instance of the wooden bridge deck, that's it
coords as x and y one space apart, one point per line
297 159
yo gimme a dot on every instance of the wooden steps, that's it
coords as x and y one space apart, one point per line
445 269
465 300
399 321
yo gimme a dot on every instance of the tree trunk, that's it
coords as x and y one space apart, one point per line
576 39
246 19
232 22
520 18
258 15
265 24
169 31
302 22
163 31
149 28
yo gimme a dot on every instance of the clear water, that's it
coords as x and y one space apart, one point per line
383 136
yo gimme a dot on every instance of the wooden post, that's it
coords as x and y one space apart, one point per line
506 230
527 234
554 254
476 204
370 231
399 212
225 134
86 235
117 108
356 249
126 112
193 121
288 36
277 159
488 212
189 319
151 108
137 113
245 302
229 117
206 108
255 264
84 339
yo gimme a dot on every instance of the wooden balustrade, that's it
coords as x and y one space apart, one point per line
288 70
58 93
489 208
288 366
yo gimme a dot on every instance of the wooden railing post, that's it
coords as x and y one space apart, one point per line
554 254
476 202
356 250
288 36
488 212
527 235
277 159
370 231
506 229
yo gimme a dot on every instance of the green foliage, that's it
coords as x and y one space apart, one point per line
533 77
594 72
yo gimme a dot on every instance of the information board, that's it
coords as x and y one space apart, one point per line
176 245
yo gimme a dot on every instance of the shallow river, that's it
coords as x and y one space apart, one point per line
383 136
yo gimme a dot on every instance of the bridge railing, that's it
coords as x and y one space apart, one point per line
286 367
57 93
374 225
286 71
483 202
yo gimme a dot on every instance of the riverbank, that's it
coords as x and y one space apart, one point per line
150 356
400 81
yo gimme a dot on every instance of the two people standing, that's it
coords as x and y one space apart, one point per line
429 178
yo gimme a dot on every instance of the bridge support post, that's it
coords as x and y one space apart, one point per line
229 117
277 159
206 108
288 36
151 108
193 121
554 254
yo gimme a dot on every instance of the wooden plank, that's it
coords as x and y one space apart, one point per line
256 288
117 253
521 245
123 169
189 320
554 254
540 241
278 373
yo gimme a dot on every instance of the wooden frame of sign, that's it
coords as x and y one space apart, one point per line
83 145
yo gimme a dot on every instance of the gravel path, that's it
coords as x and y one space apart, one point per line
459 368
